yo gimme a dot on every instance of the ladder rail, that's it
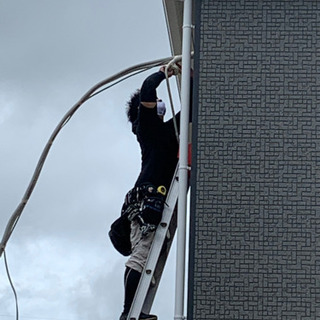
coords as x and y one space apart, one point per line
161 264
155 250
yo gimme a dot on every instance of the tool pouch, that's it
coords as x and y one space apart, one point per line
150 214
119 235
144 204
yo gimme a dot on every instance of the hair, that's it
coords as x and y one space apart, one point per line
133 106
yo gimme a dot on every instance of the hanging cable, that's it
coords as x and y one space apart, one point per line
95 90
168 67
125 78
11 284
88 95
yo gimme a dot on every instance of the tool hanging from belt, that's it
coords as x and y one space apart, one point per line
145 204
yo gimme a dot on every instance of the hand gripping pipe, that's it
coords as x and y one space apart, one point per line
183 161
171 64
96 89
168 66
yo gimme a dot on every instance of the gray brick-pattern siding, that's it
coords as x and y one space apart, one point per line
256 189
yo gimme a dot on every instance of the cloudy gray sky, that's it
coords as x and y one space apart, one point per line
60 258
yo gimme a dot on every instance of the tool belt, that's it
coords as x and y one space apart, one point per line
145 205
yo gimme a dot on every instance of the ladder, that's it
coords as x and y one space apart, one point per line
158 254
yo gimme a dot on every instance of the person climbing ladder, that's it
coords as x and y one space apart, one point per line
143 204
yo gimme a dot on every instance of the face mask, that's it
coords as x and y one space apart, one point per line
161 108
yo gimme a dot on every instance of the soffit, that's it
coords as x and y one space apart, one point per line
173 10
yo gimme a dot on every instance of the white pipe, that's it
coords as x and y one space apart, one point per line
183 161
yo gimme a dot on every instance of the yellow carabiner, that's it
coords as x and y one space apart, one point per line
162 190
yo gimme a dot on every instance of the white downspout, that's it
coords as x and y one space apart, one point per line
183 161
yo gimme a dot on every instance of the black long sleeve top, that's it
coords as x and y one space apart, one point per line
157 139
158 143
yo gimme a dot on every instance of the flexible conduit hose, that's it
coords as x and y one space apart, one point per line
168 66
90 93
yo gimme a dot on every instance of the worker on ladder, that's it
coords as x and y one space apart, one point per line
144 203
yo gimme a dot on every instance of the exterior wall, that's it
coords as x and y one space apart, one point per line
255 214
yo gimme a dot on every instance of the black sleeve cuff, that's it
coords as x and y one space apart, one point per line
148 91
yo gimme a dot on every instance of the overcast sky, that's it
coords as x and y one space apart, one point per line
61 261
